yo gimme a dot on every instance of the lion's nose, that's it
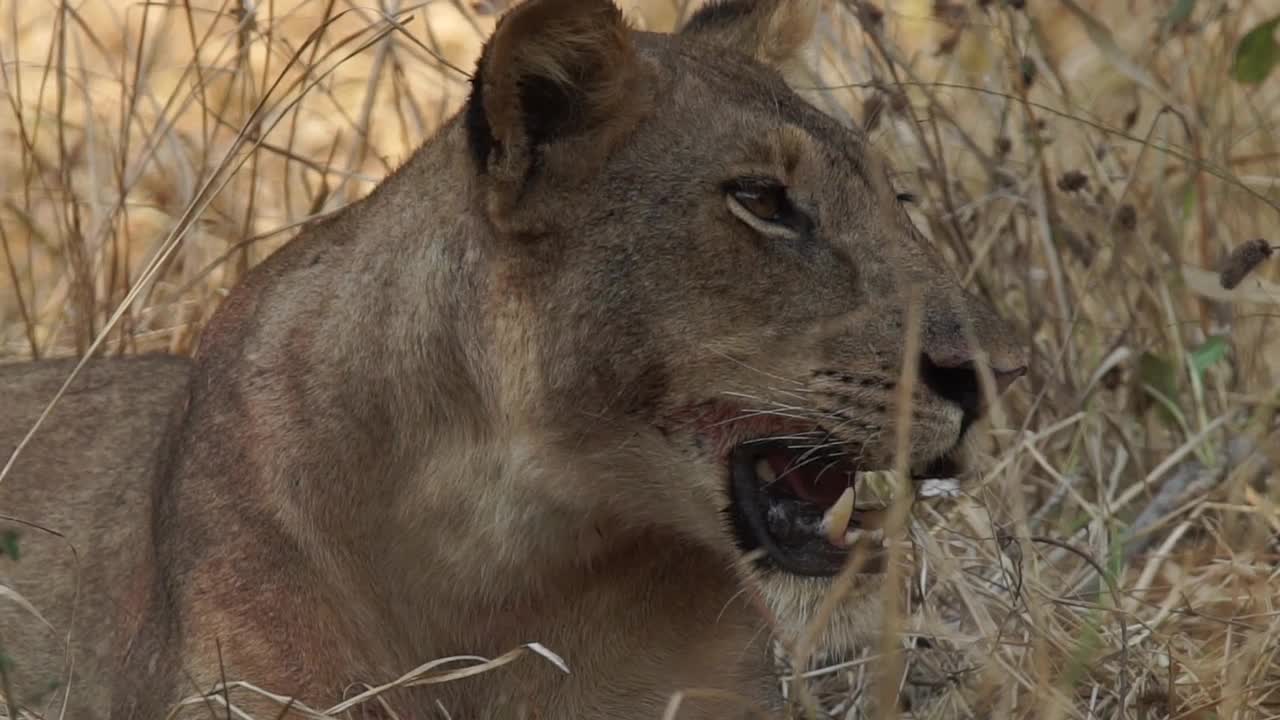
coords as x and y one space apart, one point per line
955 378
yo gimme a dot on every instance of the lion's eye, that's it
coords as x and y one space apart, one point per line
763 204
907 198
769 203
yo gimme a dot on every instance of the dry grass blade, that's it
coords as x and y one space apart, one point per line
158 151
425 674
231 161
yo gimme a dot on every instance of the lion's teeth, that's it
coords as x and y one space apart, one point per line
938 487
855 534
874 537
765 472
835 521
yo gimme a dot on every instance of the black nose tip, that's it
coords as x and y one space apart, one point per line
960 384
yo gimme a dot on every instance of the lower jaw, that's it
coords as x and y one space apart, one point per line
858 562
822 560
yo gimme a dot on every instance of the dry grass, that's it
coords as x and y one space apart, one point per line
1121 554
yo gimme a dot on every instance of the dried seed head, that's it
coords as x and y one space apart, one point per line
1131 118
1027 68
1127 217
898 102
947 11
870 14
1073 180
1113 378
948 44
1242 261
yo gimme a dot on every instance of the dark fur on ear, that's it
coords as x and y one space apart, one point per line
553 69
719 14
479 134
771 31
557 87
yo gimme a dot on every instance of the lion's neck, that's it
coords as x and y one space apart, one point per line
349 382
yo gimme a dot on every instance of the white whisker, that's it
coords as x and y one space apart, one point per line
754 369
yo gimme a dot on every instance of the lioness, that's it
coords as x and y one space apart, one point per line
588 370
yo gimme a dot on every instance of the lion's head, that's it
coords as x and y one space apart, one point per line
701 292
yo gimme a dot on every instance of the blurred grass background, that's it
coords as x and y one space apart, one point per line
1085 165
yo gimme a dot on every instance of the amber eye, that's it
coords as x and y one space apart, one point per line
764 204
769 203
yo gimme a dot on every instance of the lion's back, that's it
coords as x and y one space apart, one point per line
86 474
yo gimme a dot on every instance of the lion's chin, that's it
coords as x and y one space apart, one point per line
801 615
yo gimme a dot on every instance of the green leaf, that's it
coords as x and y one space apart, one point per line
1180 13
1188 201
1158 379
9 543
1158 373
1084 652
1257 53
1211 352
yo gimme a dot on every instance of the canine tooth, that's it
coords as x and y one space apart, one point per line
873 537
765 472
938 487
836 519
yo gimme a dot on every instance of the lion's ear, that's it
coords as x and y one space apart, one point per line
553 71
771 31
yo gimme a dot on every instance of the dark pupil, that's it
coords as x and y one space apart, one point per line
764 204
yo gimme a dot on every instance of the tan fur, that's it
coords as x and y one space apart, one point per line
490 403
84 483
773 32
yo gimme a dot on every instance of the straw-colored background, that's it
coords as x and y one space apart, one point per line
126 125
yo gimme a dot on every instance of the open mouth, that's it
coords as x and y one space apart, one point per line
801 507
